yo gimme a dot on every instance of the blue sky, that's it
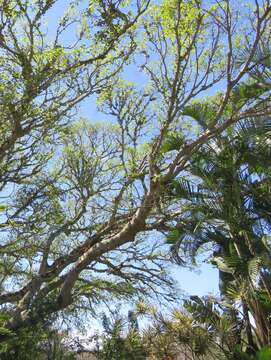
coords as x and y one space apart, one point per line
200 282
205 279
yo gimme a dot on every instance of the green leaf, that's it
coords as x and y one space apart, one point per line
254 267
222 264
5 331
203 112
173 236
3 207
174 141
264 354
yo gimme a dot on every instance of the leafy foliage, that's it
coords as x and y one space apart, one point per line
116 345
85 206
222 207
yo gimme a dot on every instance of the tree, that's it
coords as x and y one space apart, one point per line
222 324
227 207
116 344
81 199
224 327
175 335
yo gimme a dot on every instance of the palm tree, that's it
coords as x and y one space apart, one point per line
169 337
228 201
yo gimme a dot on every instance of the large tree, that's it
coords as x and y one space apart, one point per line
83 204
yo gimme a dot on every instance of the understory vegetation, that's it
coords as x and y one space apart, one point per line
135 138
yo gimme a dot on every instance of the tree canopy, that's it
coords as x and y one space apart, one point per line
85 206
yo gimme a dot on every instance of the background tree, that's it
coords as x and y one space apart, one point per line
116 344
177 336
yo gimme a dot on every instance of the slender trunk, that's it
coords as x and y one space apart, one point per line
261 320
251 348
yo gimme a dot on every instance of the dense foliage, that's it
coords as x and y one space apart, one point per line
226 196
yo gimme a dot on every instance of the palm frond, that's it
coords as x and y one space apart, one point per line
173 141
254 267
202 112
250 128
261 72
245 91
